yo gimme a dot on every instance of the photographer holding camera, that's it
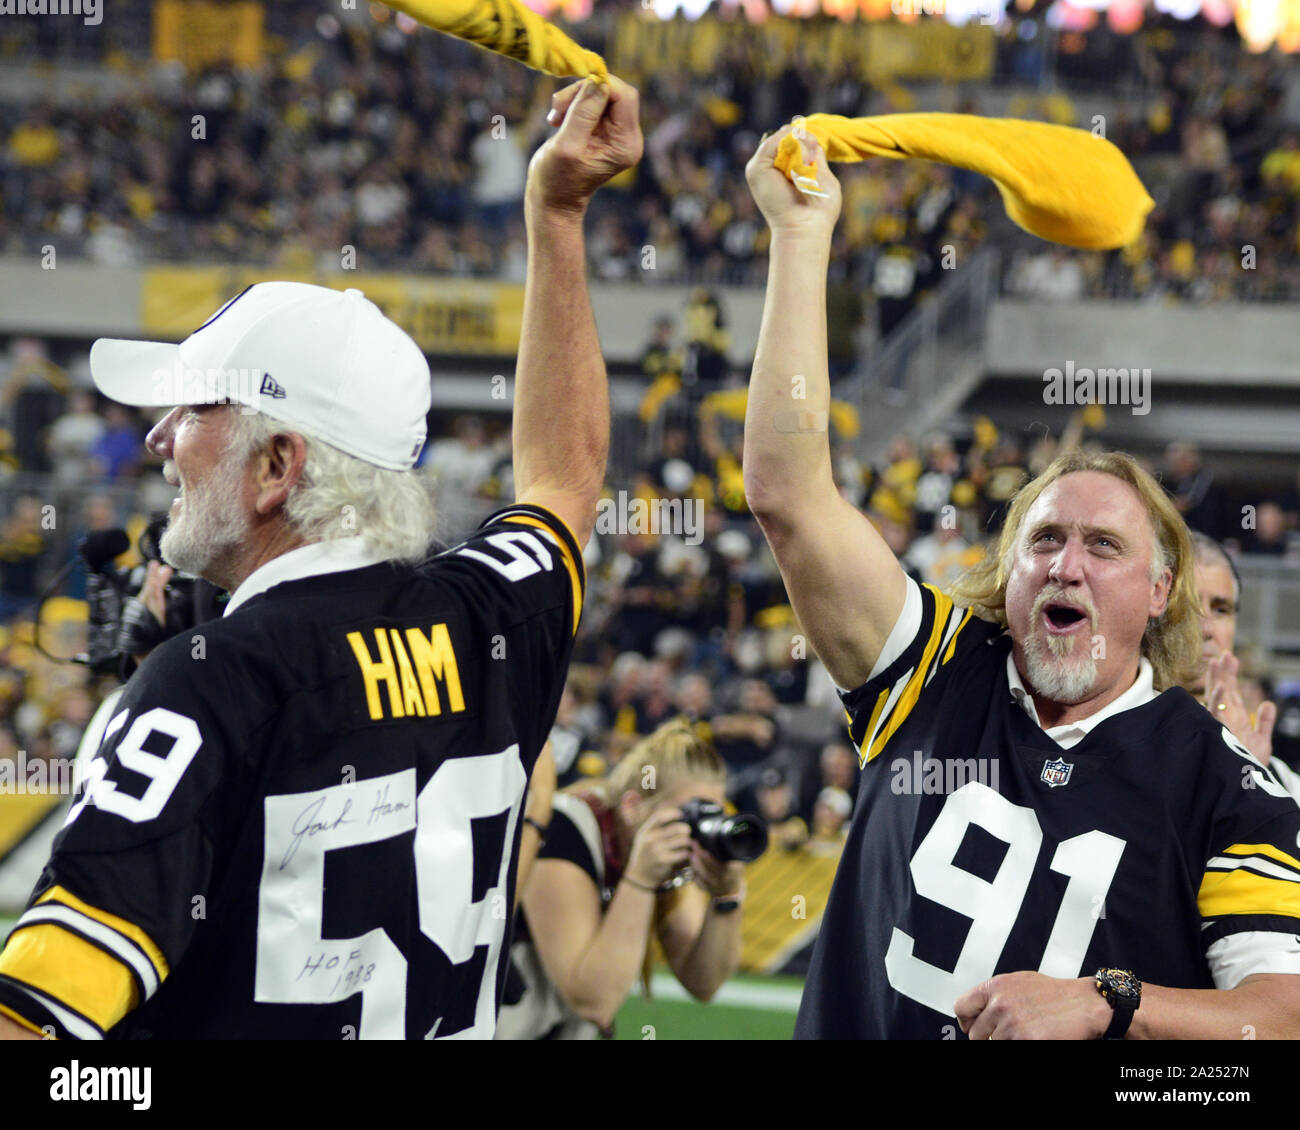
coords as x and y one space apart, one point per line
613 869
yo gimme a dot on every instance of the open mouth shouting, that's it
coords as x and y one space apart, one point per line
1059 660
1061 618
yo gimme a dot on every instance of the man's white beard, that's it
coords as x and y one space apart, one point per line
1056 674
210 525
1054 670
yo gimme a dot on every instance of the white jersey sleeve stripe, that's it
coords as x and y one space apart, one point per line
121 947
904 631
1238 956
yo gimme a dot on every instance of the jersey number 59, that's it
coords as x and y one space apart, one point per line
296 965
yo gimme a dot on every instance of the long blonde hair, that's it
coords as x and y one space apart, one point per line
1172 641
674 752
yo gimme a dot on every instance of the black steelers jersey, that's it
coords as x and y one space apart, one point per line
304 817
980 846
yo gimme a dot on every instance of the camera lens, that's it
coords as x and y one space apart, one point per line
744 839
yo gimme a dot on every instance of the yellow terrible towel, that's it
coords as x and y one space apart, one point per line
508 28
1062 184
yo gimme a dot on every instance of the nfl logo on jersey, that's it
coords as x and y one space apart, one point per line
1057 772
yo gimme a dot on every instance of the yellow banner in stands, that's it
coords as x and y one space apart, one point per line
929 50
199 32
21 813
878 51
788 891
443 315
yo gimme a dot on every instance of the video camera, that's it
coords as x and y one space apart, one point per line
121 627
742 837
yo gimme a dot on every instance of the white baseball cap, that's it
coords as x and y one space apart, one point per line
323 361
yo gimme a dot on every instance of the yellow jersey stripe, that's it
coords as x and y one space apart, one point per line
857 744
943 605
1265 849
574 575
579 564
72 971
1225 893
864 757
121 925
22 1021
952 643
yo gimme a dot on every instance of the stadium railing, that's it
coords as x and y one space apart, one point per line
1270 603
926 368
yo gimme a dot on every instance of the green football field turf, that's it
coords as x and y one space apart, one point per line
689 1020
747 1008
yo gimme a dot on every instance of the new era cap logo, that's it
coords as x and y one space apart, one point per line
270 388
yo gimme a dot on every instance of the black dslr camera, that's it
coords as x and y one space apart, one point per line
742 837
121 627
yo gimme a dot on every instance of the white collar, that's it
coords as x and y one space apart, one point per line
334 556
1141 692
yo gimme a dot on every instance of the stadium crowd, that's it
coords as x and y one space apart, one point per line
351 138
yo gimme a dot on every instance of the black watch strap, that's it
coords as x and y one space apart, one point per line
1123 992
1120 1019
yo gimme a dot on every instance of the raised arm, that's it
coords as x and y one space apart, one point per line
561 418
846 586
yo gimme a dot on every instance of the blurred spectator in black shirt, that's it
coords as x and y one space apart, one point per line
1192 486
838 765
1269 535
619 692
22 545
661 355
707 341
934 487
636 600
693 697
749 735
1290 503
654 704
773 798
31 399
673 468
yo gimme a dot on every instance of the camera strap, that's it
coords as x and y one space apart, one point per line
611 858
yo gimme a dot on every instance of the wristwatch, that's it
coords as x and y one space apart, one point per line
1123 992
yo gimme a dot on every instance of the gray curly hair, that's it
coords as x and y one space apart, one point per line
340 496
